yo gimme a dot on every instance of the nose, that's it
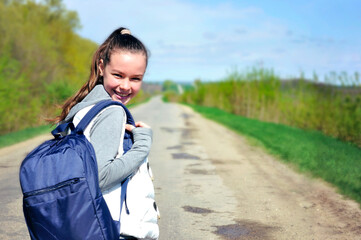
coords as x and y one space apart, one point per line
124 85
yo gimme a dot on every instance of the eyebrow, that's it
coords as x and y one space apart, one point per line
118 71
138 75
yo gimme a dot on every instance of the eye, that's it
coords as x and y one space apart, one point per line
117 75
136 79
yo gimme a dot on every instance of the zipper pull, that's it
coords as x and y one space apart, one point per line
72 188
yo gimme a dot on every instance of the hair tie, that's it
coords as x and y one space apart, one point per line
125 31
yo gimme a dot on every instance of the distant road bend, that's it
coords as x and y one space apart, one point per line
210 184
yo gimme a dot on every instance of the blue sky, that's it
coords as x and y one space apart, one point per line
209 39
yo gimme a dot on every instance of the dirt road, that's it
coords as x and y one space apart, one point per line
210 184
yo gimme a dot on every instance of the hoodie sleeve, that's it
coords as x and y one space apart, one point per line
105 138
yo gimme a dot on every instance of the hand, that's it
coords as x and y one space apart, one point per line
141 124
130 127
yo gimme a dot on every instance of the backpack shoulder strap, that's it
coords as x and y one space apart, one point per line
96 109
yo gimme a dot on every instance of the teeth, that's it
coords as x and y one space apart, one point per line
122 95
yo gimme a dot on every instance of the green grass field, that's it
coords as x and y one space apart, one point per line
22 135
337 162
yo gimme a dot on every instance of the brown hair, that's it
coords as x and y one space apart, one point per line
120 39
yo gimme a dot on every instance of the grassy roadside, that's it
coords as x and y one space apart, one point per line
338 163
145 100
22 135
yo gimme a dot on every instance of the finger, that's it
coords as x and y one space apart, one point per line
129 127
142 124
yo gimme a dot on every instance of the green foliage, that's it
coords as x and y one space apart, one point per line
335 161
42 60
334 110
15 137
16 103
141 97
165 98
170 90
18 136
57 92
169 85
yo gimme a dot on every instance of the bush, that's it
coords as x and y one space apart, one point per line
258 94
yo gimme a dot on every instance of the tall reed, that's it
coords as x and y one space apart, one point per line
332 107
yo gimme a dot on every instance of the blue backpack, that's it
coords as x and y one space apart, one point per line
59 181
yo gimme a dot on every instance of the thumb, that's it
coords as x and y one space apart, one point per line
129 127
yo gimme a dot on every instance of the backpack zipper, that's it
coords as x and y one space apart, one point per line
53 188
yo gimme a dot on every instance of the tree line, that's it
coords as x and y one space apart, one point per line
42 60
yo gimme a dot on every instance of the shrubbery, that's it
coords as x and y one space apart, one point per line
42 61
334 109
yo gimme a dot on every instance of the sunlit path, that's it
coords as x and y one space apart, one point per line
210 184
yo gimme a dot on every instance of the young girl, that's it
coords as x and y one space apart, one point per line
117 71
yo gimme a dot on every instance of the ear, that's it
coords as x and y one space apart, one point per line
101 67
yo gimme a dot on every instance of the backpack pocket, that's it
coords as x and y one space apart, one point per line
63 211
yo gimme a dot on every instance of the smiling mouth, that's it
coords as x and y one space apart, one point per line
122 95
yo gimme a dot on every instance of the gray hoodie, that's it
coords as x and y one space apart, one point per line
105 137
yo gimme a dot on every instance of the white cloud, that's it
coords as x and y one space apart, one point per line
190 40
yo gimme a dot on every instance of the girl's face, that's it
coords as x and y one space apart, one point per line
123 75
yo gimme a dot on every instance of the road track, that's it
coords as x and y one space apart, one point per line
211 184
